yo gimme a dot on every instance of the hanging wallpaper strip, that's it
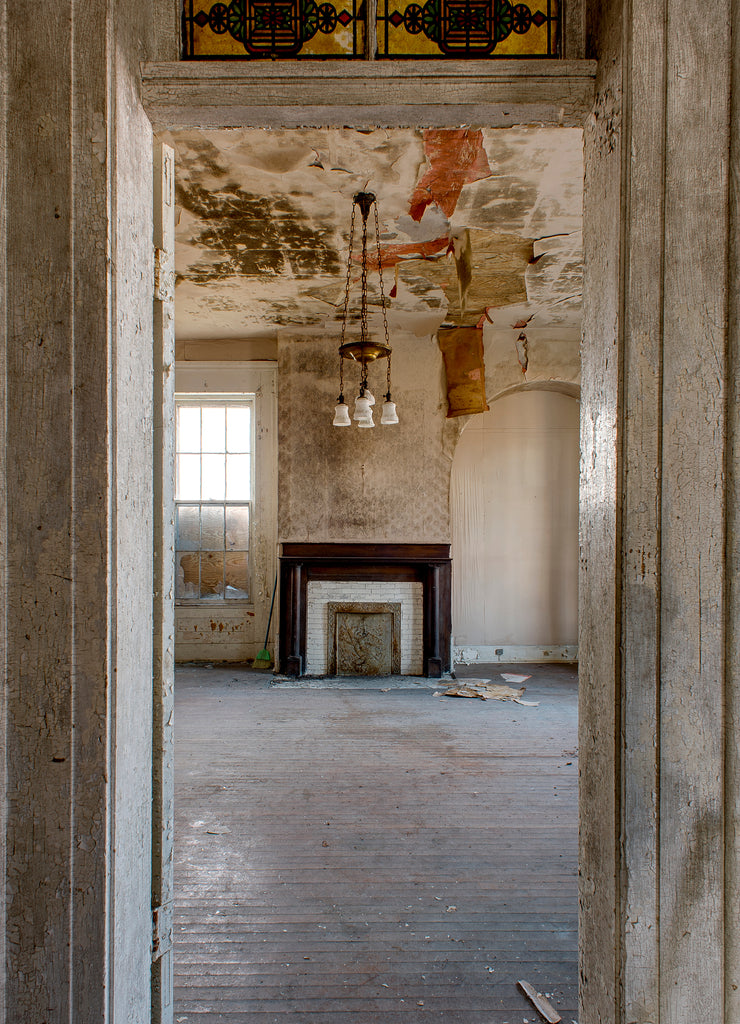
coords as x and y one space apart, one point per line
273 29
309 29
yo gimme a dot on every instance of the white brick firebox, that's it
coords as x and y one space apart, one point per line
409 595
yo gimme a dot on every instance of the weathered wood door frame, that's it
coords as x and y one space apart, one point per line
497 94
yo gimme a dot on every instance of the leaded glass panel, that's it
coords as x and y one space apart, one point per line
472 29
461 29
273 29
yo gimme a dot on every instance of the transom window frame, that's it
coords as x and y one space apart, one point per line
200 400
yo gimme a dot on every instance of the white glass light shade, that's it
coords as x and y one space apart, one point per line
366 421
341 415
389 413
370 397
362 408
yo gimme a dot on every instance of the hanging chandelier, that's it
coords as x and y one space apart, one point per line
364 351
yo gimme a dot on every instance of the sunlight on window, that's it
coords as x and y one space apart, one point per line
213 494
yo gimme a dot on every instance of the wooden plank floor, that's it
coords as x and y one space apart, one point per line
359 857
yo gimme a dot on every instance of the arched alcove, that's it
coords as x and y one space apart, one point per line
514 510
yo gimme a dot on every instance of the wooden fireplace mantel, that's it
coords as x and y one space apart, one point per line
428 564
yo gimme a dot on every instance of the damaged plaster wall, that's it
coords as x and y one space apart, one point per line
514 506
234 631
388 484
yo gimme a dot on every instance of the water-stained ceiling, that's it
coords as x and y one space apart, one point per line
476 226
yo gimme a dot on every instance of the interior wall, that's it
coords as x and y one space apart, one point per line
658 741
76 200
389 484
514 507
235 631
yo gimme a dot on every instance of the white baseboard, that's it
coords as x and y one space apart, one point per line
471 654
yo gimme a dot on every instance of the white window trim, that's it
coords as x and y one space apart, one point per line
198 400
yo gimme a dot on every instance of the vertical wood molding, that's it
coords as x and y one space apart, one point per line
163 667
732 558
645 66
574 29
58 511
692 522
3 492
599 586
664 945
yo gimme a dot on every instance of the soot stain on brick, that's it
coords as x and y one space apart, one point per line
255 236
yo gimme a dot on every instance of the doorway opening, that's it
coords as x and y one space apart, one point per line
481 228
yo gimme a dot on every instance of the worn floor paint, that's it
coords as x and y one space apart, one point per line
365 857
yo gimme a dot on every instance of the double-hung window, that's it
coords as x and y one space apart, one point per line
213 497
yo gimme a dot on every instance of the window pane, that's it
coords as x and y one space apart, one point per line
186 574
188 429
188 528
212 574
188 478
237 584
237 429
238 477
214 428
212 528
213 478
237 529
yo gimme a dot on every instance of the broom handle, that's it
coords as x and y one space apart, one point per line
272 605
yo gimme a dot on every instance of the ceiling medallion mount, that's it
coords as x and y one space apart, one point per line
364 350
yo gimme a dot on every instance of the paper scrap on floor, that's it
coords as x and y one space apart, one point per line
485 690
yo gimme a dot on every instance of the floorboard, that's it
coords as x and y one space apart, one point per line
348 856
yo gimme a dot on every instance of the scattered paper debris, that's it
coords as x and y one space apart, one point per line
486 690
540 1003
510 678
451 909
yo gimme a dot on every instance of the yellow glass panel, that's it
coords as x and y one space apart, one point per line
272 29
294 29
474 29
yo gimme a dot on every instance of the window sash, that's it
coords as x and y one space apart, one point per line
213 548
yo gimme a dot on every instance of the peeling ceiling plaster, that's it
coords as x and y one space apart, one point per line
489 218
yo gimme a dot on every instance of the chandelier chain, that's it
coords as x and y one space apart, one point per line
363 300
346 302
382 304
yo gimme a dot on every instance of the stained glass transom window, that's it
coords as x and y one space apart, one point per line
472 29
459 29
274 28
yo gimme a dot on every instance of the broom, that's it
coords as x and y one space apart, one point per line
263 659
